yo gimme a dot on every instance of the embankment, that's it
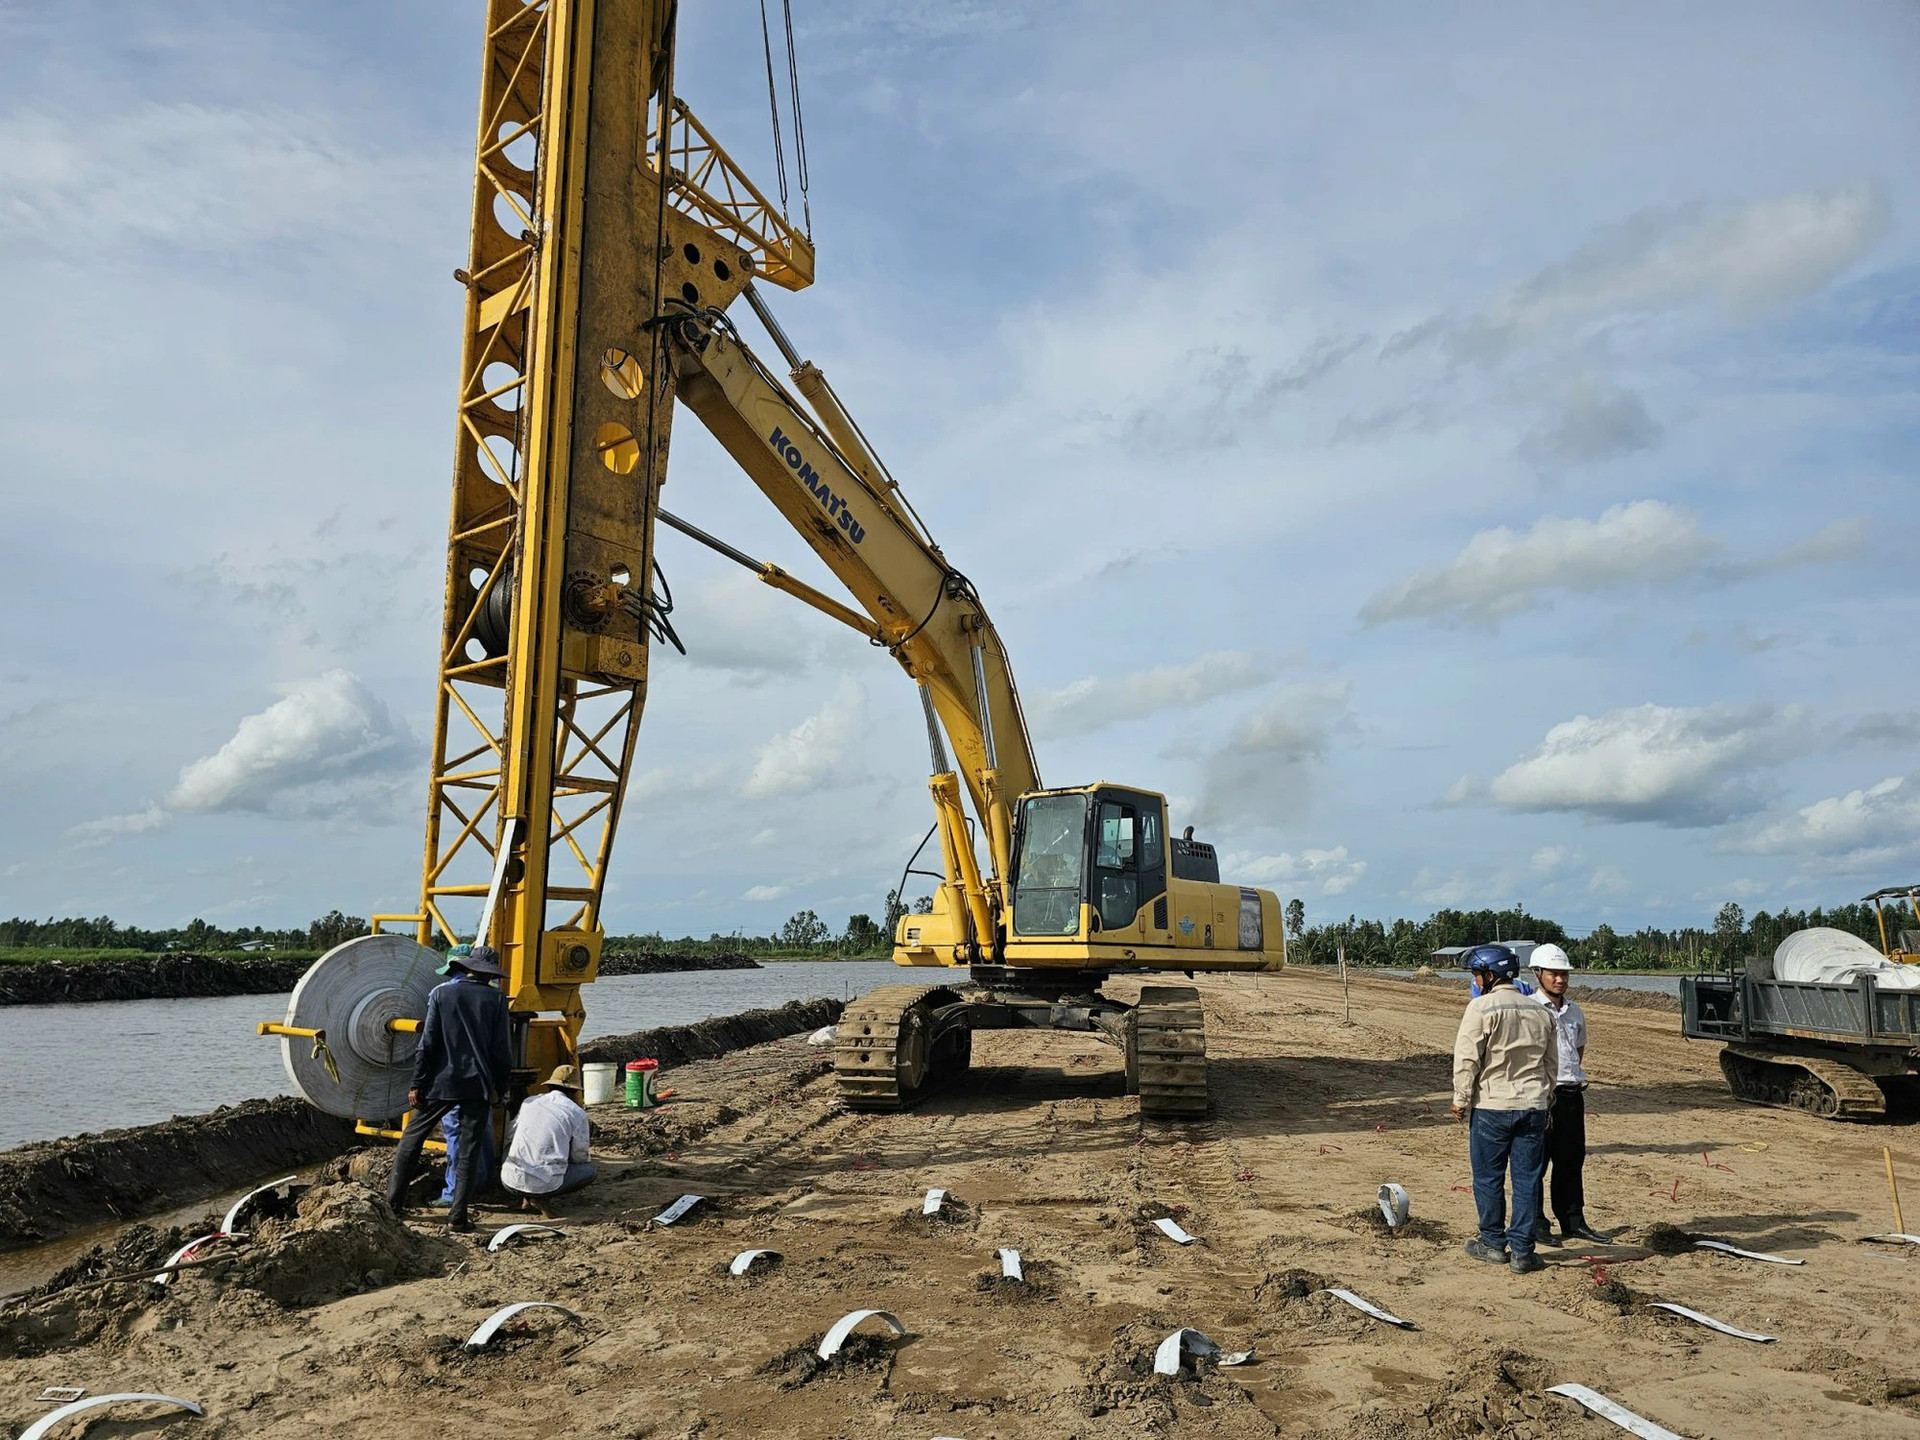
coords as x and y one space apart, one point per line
677 1044
54 1187
183 977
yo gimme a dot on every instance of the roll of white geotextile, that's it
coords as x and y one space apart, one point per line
1826 956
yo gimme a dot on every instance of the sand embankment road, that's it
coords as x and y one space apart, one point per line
1045 1154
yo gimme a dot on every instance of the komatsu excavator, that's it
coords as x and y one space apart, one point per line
611 235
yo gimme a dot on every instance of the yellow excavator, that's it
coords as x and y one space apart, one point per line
605 256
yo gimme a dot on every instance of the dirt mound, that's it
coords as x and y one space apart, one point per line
952 1215
52 1187
863 1354
341 1240
1496 1392
1037 1283
675 1045
1123 1381
1370 1221
1669 1240
1290 1285
146 977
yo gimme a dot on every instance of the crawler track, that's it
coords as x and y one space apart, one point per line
884 1051
1826 1088
1167 1052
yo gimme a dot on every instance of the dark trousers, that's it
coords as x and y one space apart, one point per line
1500 1140
1567 1153
406 1157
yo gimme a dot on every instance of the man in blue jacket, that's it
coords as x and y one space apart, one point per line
462 1066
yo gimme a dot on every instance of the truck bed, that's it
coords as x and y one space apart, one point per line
1741 1007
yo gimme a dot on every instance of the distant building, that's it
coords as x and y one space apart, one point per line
1447 957
256 945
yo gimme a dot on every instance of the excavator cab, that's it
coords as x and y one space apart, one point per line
1098 882
1086 860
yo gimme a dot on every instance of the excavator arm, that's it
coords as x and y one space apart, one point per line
812 462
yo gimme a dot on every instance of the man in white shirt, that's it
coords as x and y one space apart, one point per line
547 1147
1567 1116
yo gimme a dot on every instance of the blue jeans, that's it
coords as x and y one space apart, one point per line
482 1162
1499 1139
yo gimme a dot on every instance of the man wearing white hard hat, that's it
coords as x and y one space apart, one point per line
1567 1116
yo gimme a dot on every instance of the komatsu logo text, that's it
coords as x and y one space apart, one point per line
830 502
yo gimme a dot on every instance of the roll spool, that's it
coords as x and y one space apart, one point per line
350 995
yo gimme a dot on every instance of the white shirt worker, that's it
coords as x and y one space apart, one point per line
550 1132
1571 1023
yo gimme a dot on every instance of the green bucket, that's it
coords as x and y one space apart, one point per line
640 1078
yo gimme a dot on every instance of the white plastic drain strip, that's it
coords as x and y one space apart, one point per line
844 1326
1395 1205
743 1262
933 1203
1628 1421
1898 1237
1166 1226
46 1423
507 1232
1166 1360
234 1211
677 1209
1367 1307
1010 1265
1711 1323
189 1250
489 1326
1726 1249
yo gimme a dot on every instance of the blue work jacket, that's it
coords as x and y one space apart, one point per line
465 1052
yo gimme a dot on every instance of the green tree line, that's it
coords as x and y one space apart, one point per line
1729 936
195 937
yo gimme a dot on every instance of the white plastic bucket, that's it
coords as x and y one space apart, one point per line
602 1082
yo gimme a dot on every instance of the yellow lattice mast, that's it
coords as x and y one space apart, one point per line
565 410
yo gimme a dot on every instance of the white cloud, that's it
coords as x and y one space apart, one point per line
310 752
194 175
1681 767
1835 543
1262 774
112 827
1097 702
1608 880
1333 871
761 893
1549 858
329 748
1500 573
1746 260
810 756
1877 823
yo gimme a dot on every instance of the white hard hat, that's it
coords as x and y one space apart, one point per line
1549 957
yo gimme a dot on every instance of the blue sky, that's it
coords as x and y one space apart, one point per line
1460 460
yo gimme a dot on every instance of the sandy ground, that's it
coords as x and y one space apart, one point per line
1044 1153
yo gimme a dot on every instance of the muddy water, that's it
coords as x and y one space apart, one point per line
69 1069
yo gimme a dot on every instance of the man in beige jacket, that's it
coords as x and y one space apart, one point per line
1505 1059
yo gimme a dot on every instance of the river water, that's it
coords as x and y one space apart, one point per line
70 1069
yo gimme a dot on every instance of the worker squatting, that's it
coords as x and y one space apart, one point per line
809 477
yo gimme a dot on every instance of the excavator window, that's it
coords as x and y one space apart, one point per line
1050 875
1115 868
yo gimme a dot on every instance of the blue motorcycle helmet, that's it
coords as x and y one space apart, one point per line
1495 960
